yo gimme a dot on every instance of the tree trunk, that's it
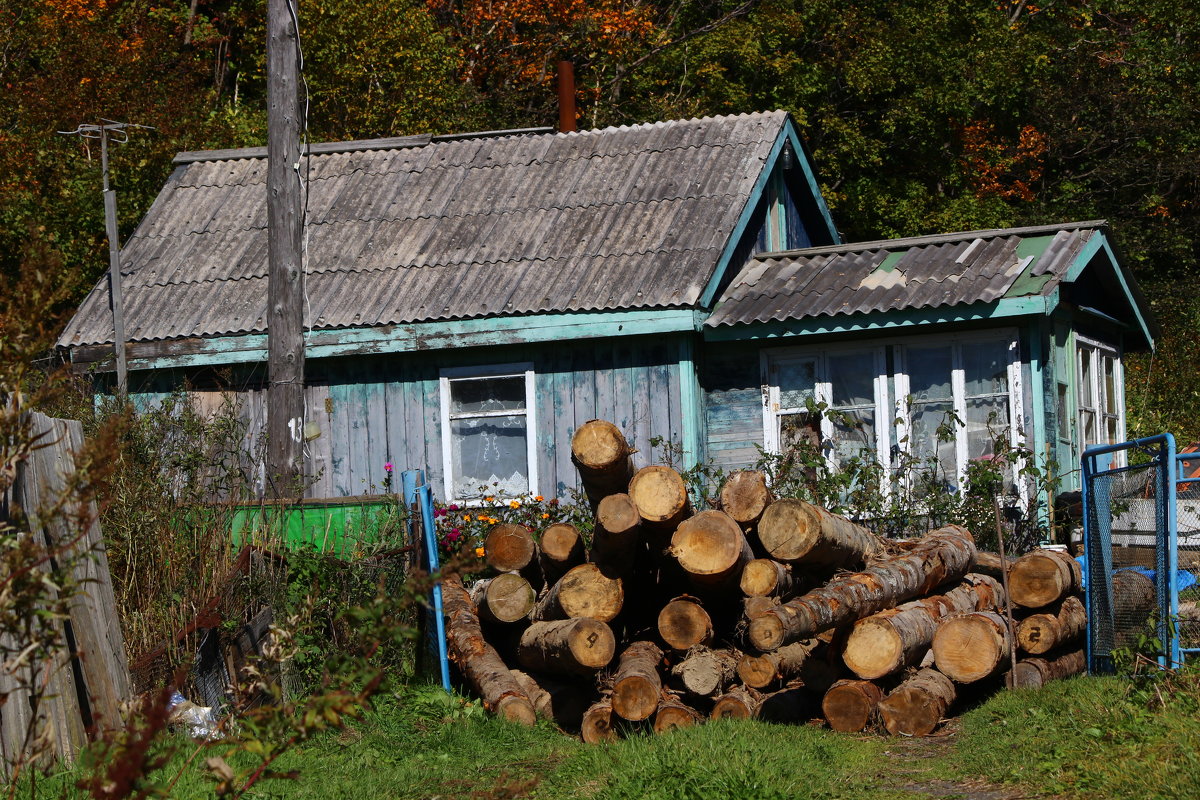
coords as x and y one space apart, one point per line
737 703
597 723
990 564
673 713
567 647
971 647
765 577
509 548
940 556
1134 600
706 672
478 661
503 599
617 535
1033 673
1043 577
850 706
637 687
660 496
917 706
899 637
711 549
1041 633
683 623
561 549
602 456
778 666
562 703
799 532
585 591
745 496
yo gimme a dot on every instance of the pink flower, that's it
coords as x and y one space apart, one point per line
387 467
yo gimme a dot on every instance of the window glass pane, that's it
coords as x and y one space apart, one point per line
929 373
1064 412
474 395
852 379
488 456
1087 373
797 381
987 420
853 436
799 430
1110 385
1087 427
924 441
1111 432
985 367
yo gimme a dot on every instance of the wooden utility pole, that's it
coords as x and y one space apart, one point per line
285 232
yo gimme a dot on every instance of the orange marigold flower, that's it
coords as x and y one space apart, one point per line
545 516
514 503
479 552
539 498
489 499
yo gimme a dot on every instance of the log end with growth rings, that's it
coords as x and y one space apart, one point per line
599 445
873 649
509 548
767 632
659 493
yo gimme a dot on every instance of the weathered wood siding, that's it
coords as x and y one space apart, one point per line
730 379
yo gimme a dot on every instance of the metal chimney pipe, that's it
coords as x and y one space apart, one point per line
566 97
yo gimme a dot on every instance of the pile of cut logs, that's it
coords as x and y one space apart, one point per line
764 608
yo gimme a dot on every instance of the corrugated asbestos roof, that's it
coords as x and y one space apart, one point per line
899 274
629 217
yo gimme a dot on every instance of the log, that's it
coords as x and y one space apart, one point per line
789 706
990 564
706 672
917 706
597 725
799 532
971 647
850 705
745 496
509 548
637 687
711 549
503 599
1134 599
940 556
782 665
683 623
1041 633
567 647
660 496
737 703
757 606
1043 577
765 577
602 456
561 549
887 642
1033 673
562 703
479 663
673 713
617 536
585 591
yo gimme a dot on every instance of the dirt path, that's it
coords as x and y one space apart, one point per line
911 761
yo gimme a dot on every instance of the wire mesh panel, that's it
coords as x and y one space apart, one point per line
1187 511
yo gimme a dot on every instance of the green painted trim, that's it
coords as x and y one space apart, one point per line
689 402
1000 309
1037 332
438 335
1095 245
811 178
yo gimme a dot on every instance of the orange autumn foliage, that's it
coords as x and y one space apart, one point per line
996 168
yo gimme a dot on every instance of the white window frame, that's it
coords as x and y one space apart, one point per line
517 370
1099 350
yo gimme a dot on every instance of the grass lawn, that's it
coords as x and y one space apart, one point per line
1077 738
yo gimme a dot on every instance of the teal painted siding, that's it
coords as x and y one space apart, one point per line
730 380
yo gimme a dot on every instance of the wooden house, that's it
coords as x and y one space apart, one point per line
471 299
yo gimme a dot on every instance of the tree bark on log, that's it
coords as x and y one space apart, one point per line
757 606
478 661
637 687
711 549
562 703
1041 633
597 725
1134 599
745 496
799 532
1033 673
674 713
561 549
737 703
970 647
940 556
990 564
765 577
503 599
850 705
1043 577
602 455
567 647
779 666
683 623
617 537
509 548
660 496
585 591
706 672
917 706
899 637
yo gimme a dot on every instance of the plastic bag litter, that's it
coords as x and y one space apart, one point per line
200 722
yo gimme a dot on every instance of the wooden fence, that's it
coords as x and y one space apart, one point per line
87 681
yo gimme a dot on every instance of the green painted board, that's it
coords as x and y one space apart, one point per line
345 529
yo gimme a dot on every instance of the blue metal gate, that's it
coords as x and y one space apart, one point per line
1141 502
